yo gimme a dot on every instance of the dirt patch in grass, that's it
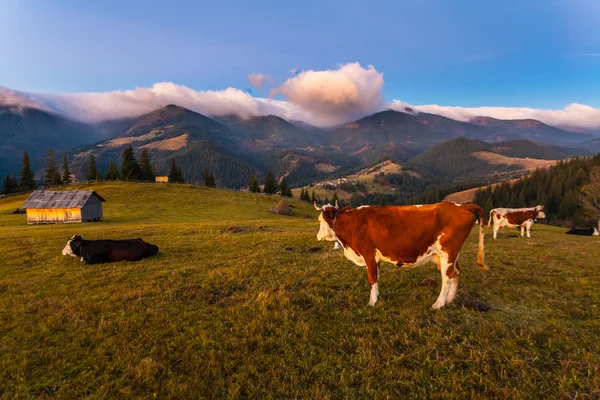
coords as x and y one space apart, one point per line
243 229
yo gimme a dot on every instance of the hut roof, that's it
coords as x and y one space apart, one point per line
60 199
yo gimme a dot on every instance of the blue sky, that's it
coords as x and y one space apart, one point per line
540 54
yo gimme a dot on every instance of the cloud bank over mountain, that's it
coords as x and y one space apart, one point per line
573 115
321 98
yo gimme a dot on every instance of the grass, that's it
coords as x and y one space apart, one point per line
261 314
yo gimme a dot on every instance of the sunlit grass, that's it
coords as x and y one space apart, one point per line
261 314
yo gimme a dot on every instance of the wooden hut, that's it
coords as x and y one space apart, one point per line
162 179
61 207
282 208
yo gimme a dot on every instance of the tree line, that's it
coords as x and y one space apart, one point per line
566 189
131 168
270 186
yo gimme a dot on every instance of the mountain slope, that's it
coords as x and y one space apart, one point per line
529 129
464 159
194 140
35 131
267 132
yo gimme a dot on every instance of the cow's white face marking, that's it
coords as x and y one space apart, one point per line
325 232
541 214
68 251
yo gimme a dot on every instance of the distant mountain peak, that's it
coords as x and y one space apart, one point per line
481 120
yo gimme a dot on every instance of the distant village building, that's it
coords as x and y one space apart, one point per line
163 179
60 207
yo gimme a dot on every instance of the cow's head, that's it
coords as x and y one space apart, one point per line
540 210
326 219
73 247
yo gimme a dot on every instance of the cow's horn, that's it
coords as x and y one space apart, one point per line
317 207
336 204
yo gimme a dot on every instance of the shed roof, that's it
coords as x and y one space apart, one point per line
60 199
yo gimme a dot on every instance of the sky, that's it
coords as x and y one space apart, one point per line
505 55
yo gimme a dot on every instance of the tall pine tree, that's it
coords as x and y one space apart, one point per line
254 187
591 197
27 180
175 174
91 173
209 178
9 185
285 189
66 174
146 171
130 169
270 184
51 171
113 171
313 198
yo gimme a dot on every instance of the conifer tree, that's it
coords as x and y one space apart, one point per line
254 187
8 185
66 174
304 195
313 198
91 173
270 184
51 175
285 189
146 172
27 180
209 178
175 174
130 169
335 198
591 197
113 172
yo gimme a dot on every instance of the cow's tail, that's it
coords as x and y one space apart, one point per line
480 249
490 220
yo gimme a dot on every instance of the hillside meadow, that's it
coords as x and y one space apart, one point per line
242 303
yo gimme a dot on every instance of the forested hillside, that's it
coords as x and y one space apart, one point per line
557 188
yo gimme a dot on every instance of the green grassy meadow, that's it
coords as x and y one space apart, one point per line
256 312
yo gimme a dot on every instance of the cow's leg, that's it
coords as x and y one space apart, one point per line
373 275
496 228
522 230
445 269
528 227
453 283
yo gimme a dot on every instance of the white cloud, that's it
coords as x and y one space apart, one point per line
321 98
258 80
573 116
20 99
336 96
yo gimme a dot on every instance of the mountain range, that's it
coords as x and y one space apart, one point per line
234 148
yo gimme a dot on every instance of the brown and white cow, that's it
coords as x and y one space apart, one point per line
515 217
406 236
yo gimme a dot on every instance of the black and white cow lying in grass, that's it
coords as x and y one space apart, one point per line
103 251
583 232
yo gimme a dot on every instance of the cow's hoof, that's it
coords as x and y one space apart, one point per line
437 306
371 304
